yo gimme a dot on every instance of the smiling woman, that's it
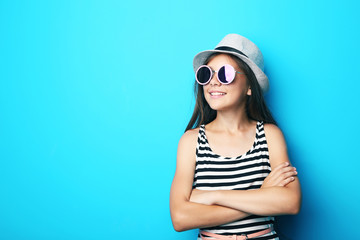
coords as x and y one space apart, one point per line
233 174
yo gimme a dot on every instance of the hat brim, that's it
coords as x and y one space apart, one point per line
262 79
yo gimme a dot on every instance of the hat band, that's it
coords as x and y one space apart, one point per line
230 49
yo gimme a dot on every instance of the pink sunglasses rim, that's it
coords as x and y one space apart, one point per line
211 74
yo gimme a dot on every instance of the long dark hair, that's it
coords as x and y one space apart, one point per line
256 108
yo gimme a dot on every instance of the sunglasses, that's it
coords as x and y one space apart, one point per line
225 74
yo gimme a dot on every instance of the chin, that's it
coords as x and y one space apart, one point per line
218 107
223 107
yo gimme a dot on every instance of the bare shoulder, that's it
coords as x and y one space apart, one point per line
186 153
273 133
189 138
276 144
187 145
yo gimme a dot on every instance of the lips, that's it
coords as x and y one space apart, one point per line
216 94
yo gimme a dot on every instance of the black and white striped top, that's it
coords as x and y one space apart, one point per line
248 171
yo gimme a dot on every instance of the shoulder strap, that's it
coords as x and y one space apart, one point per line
201 138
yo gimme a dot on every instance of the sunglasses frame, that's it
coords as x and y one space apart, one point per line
217 74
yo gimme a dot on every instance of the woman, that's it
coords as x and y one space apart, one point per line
233 173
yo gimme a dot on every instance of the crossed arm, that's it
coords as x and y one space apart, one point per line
279 194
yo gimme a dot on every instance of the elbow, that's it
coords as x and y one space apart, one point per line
178 222
178 227
295 206
289 203
180 217
293 210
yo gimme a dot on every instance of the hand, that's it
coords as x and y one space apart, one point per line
280 176
201 196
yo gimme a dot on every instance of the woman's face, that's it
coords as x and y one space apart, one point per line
225 97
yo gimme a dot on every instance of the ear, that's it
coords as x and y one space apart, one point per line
249 91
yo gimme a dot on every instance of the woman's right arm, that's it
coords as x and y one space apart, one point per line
187 215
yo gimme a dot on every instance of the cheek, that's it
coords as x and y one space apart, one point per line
205 90
206 96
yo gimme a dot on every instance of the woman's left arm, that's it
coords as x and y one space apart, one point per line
273 200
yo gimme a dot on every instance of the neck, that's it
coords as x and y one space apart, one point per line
232 120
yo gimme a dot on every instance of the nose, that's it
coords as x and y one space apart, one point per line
214 80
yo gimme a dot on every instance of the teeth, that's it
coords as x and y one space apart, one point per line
216 94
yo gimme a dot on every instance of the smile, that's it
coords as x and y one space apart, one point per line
217 93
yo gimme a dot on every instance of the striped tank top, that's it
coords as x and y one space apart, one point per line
247 171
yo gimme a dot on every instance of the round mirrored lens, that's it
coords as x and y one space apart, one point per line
203 75
226 74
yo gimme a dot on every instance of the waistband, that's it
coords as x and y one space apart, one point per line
204 235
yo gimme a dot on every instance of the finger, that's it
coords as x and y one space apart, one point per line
277 169
279 179
282 165
287 181
280 171
290 174
284 170
288 169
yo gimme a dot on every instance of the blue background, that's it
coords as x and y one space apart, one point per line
94 96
